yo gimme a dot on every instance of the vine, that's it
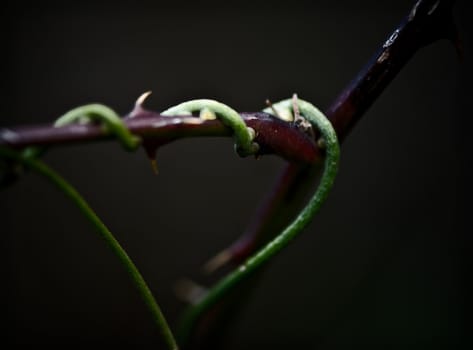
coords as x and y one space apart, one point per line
244 146
428 21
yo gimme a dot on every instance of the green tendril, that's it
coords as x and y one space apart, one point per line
70 192
101 113
114 125
215 294
243 135
244 146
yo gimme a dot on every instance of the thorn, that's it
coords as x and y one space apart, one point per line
139 102
295 107
270 105
154 166
283 114
217 261
189 291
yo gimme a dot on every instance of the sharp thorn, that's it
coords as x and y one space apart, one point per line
139 102
270 105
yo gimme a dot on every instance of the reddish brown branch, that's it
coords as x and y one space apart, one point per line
427 22
273 135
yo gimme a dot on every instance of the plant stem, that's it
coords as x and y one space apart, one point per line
48 173
427 22
252 264
274 136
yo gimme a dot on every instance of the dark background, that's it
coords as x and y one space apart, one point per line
385 263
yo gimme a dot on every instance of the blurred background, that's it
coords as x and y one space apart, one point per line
385 262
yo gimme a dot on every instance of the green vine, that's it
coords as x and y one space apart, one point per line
244 146
42 169
330 142
114 125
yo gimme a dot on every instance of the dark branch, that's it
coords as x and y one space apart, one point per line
273 135
427 22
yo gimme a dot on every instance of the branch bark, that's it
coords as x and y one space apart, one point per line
273 135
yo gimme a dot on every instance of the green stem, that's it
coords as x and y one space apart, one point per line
44 170
111 120
215 294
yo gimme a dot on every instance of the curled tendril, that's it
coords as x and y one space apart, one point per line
10 172
243 135
28 158
244 146
101 113
215 294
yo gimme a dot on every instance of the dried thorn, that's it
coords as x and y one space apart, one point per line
139 102
299 121
139 105
295 108
270 105
217 261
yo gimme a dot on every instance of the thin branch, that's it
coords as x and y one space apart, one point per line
273 135
428 21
